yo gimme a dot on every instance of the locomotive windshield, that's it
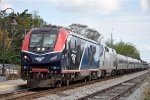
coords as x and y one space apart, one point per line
35 40
42 42
49 40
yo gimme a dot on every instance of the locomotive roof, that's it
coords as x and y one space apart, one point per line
37 30
56 29
82 37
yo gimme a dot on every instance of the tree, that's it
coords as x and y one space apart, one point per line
85 31
126 49
92 34
78 28
15 34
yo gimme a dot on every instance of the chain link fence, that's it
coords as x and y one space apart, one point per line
10 72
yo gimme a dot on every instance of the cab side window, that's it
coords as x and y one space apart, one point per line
106 49
72 43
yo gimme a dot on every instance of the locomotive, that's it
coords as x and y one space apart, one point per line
52 56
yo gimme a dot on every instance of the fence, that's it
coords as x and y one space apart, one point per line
10 74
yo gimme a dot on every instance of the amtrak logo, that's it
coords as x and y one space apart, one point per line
39 59
73 58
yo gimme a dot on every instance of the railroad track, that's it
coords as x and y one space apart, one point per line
29 94
10 95
118 91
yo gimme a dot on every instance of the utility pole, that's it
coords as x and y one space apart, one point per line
111 38
13 22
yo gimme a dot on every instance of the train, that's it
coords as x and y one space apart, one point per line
54 56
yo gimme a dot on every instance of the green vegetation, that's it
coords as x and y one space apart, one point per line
127 49
15 34
85 31
147 91
147 94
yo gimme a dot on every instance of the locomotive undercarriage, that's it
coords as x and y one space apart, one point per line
50 79
43 79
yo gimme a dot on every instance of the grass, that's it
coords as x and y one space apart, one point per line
147 91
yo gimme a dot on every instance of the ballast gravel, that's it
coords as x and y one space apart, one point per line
79 92
139 93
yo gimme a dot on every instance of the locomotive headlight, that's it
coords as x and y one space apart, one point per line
26 58
38 49
43 49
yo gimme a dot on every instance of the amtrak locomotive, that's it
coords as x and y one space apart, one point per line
52 56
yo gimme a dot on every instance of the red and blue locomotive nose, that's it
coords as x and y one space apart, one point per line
61 38
41 62
42 48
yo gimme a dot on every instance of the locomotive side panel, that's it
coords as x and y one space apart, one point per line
83 55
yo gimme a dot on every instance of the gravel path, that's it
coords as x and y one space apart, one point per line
139 93
77 93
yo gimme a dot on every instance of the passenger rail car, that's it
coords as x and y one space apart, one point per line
122 64
52 56
108 62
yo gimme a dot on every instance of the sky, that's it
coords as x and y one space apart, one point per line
127 20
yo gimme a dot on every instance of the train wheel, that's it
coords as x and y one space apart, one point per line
67 82
85 80
58 84
99 77
89 78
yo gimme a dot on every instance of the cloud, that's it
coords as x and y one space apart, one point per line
88 6
133 18
147 47
145 52
4 4
145 4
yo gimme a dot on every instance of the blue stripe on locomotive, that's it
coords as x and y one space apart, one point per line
41 60
90 59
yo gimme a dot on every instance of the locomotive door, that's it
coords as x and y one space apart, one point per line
72 53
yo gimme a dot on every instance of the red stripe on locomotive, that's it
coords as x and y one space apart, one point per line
62 36
39 70
26 42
